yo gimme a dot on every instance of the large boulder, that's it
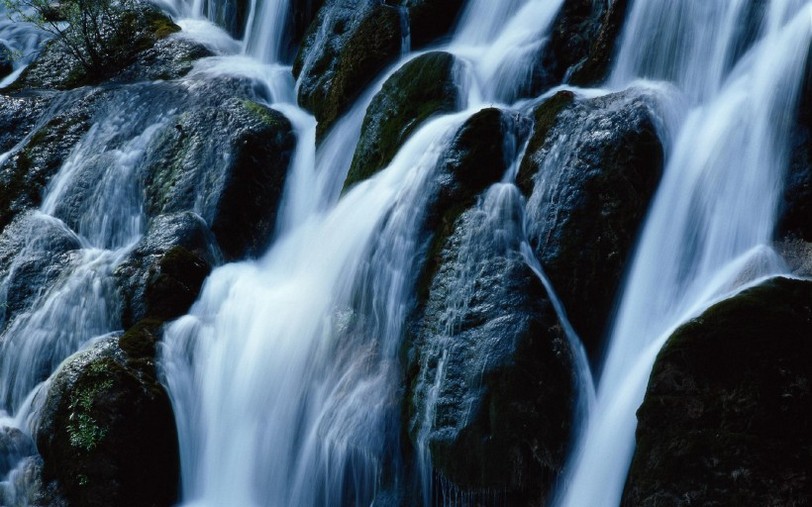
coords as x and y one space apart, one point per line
88 56
226 157
347 45
726 415
163 275
350 42
421 88
107 434
35 251
492 386
24 175
595 165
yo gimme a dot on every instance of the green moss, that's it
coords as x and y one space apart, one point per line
160 25
420 89
139 341
262 113
84 431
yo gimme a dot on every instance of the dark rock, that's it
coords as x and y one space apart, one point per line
163 275
490 364
589 66
726 416
14 446
429 19
303 13
423 87
6 61
35 250
124 35
595 173
24 175
18 116
227 159
345 48
107 434
169 58
478 156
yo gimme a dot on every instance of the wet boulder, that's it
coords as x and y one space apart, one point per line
595 165
421 88
91 56
26 172
478 156
14 446
18 116
491 400
107 434
228 160
171 57
429 19
725 420
35 250
583 41
163 275
347 45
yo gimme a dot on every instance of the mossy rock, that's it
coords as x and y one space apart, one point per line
163 275
345 48
107 433
129 32
726 417
422 88
28 170
228 160
594 175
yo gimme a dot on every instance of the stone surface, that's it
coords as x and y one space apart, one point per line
422 88
594 174
726 415
107 434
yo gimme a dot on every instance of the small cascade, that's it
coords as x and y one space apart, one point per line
90 219
405 31
21 40
714 215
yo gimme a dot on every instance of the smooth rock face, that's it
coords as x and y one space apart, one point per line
352 41
594 173
422 88
726 416
489 367
163 275
492 391
107 433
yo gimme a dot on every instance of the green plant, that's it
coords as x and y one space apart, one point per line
83 27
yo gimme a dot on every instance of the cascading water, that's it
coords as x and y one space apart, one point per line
95 235
711 224
284 376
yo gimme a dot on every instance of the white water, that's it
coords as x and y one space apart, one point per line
714 213
284 375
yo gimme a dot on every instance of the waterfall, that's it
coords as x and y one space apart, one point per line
709 230
287 374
